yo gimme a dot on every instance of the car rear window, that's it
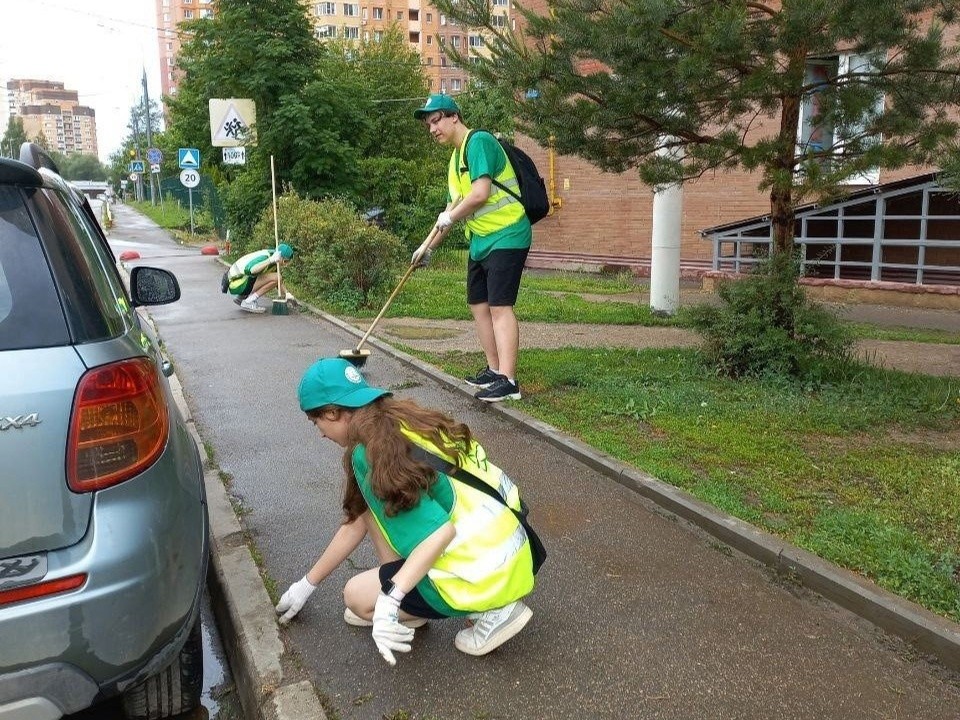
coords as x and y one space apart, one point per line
30 314
92 293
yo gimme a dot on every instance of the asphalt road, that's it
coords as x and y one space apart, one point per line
636 614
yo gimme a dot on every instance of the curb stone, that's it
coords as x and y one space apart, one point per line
243 609
925 630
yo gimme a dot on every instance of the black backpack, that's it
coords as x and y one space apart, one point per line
533 191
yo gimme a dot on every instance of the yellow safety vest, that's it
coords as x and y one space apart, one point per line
488 564
501 209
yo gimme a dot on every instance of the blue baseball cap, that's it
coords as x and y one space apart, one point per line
437 102
334 381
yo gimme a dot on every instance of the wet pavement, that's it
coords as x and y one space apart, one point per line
636 613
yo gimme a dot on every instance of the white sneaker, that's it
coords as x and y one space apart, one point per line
493 628
351 618
251 306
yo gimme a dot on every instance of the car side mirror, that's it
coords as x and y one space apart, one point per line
153 286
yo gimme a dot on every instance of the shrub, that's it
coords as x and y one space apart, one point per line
766 325
341 259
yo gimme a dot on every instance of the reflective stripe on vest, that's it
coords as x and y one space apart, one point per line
488 564
501 209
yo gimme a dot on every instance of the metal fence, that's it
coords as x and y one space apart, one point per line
901 232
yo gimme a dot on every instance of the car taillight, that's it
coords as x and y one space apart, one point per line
119 425
50 587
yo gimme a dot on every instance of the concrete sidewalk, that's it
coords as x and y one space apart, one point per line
638 611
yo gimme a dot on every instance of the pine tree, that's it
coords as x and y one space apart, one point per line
725 85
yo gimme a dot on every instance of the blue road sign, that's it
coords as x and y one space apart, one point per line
136 166
154 156
189 158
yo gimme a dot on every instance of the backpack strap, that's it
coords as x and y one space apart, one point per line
463 162
467 478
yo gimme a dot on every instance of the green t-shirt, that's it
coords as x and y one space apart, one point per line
411 527
486 157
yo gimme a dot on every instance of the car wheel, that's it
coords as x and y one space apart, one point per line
174 690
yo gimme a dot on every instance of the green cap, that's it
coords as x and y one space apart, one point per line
443 103
334 381
286 252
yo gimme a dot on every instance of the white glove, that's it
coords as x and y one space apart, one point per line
293 600
421 256
276 257
388 633
444 220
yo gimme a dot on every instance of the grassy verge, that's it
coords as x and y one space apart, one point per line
864 471
174 218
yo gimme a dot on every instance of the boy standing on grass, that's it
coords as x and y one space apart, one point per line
499 234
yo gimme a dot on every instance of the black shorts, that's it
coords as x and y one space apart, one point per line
413 602
495 280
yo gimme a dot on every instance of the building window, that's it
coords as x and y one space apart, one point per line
476 41
498 21
206 13
455 84
455 41
443 86
351 10
443 19
429 17
363 14
429 39
378 13
351 33
429 59
188 14
377 35
414 15
399 14
415 37
326 8
818 134
325 31
443 61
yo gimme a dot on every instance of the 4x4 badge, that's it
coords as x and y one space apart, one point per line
20 421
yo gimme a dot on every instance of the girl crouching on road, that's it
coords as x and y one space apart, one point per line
446 548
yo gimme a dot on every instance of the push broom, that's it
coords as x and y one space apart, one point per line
279 306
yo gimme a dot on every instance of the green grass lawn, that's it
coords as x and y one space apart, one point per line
864 471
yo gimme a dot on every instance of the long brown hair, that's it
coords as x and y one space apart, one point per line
395 477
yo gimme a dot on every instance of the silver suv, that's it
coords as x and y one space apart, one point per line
103 521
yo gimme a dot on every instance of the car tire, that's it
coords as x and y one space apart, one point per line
174 690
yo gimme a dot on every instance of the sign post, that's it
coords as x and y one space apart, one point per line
190 179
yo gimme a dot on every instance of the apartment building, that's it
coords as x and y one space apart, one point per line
46 107
422 24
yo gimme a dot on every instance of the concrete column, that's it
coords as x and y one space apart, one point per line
665 258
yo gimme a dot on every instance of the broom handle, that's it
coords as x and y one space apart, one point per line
403 280
276 231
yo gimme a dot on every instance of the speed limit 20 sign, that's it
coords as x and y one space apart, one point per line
189 178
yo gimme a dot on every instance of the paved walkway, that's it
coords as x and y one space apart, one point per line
449 335
636 615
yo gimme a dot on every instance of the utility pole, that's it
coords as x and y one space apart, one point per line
138 189
146 114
